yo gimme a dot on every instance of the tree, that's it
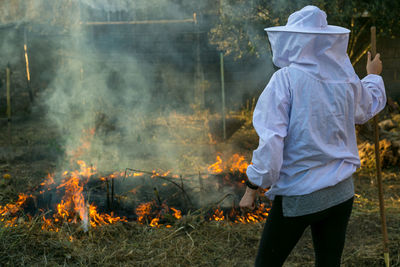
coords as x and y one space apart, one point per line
239 32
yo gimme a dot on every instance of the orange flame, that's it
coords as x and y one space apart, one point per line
142 210
233 164
102 219
177 213
238 163
73 200
162 174
154 222
216 167
73 205
257 215
218 215
11 210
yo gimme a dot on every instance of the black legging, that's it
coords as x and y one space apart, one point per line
280 235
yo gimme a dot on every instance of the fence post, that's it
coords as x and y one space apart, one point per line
223 95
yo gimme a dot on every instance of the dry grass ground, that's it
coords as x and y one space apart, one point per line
195 242
192 241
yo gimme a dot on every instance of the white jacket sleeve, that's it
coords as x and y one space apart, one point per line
270 120
369 99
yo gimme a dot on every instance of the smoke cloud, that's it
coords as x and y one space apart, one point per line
106 100
121 94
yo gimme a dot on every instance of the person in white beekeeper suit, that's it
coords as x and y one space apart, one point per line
305 119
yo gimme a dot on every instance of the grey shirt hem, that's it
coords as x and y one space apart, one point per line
293 206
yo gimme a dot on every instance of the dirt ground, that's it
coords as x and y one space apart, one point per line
192 241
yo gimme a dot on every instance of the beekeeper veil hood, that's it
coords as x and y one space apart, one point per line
308 43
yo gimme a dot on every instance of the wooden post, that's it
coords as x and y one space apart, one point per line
378 168
108 195
28 73
201 183
8 98
199 73
8 86
223 95
112 193
157 196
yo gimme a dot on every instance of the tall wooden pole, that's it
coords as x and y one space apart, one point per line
8 92
378 168
223 95
28 72
8 97
198 73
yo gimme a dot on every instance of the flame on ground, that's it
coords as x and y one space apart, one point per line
12 210
236 163
154 215
217 167
217 216
74 208
260 213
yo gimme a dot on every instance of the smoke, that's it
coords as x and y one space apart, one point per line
108 5
120 95
7 51
116 89
125 95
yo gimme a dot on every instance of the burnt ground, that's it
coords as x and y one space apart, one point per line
36 150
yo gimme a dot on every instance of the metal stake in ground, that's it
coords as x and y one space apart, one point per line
378 167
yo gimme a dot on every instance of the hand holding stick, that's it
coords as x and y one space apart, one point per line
374 66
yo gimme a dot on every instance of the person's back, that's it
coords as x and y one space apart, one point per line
305 119
320 134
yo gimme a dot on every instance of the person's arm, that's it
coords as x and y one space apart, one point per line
270 120
371 97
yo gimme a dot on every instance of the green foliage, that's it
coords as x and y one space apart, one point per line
239 31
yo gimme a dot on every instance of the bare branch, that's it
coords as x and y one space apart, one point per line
363 52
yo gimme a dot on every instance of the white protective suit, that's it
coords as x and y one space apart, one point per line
306 115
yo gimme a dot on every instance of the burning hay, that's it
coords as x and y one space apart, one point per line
193 242
157 199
